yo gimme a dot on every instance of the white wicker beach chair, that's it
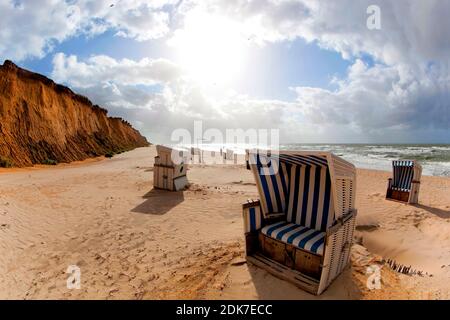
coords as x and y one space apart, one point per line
405 182
167 173
247 161
301 229
228 154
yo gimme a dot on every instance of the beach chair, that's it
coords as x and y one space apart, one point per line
247 159
196 152
167 173
228 154
301 229
405 182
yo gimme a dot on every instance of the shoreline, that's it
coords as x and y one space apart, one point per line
103 158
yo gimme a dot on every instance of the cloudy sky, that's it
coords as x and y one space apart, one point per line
313 69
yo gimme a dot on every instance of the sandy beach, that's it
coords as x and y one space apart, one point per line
134 242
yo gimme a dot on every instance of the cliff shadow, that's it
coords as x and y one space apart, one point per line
441 213
159 202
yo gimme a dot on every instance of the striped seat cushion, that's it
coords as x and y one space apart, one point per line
301 237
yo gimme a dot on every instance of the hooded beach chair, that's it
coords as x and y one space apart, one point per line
405 182
228 154
301 229
247 159
170 169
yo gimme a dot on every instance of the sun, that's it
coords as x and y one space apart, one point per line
211 49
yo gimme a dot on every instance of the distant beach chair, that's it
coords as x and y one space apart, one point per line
247 156
168 174
197 152
228 154
301 229
405 182
247 159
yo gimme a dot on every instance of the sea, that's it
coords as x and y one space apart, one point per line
434 158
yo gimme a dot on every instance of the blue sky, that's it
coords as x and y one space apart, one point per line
313 70
107 43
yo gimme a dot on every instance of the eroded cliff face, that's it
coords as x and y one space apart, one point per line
42 121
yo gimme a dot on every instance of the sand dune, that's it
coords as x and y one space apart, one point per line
133 242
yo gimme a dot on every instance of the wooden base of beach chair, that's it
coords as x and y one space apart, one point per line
300 260
308 271
396 195
283 272
251 243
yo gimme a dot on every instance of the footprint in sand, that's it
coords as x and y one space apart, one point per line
375 195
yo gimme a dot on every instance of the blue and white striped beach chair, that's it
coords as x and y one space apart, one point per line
301 229
405 182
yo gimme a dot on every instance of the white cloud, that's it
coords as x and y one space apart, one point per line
405 92
138 19
378 101
379 98
117 85
402 95
409 30
261 21
31 28
101 69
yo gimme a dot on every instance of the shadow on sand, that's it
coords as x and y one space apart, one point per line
269 287
159 202
444 214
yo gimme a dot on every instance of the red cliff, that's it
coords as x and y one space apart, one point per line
41 121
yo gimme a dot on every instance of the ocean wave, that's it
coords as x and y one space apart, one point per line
435 159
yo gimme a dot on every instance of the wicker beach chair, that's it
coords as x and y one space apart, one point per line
228 154
247 159
301 229
405 182
167 173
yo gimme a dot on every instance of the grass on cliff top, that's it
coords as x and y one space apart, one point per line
5 162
